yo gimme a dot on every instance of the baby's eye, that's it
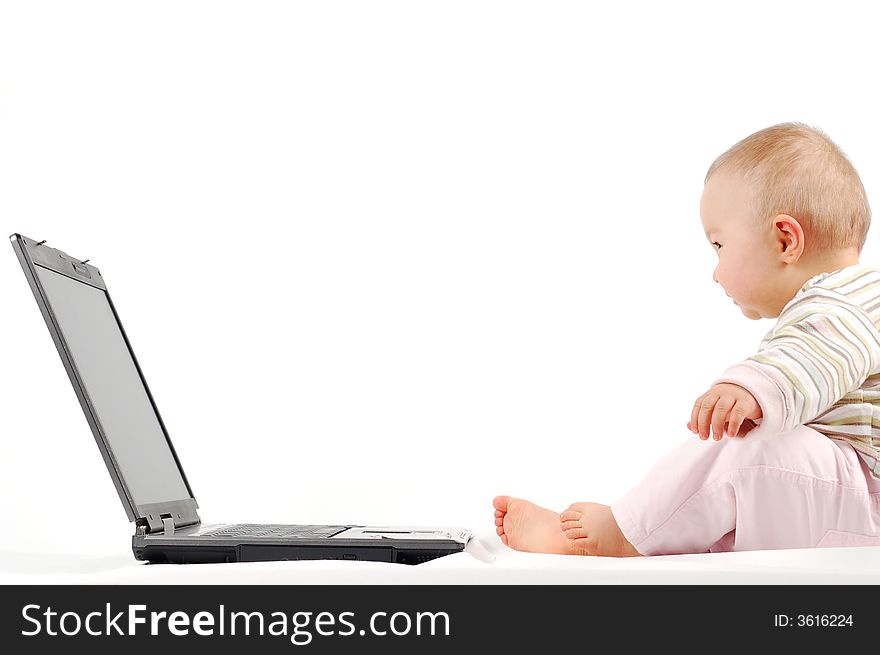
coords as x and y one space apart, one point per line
715 243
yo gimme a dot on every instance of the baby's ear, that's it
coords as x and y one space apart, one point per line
790 237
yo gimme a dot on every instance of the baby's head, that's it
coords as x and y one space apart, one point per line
780 207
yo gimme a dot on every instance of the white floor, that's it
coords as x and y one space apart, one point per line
486 561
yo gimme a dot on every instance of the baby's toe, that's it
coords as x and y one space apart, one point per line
499 521
570 515
576 533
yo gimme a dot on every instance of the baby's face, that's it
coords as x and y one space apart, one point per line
747 269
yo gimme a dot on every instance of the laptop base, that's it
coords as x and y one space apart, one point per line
176 554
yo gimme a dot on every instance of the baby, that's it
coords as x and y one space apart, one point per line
787 215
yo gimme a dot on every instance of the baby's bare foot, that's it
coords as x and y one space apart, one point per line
525 526
592 530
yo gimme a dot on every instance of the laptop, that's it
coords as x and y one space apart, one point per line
137 450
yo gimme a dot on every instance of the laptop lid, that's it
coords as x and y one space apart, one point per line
108 382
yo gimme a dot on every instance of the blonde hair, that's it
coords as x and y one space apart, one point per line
798 170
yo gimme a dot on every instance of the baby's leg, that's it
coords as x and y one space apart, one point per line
795 489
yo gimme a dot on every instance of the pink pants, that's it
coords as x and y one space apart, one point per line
796 489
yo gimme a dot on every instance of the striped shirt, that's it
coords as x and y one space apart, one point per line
819 365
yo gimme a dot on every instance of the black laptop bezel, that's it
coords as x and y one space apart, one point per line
32 254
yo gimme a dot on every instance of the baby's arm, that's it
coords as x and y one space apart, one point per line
814 358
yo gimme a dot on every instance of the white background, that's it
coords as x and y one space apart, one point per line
381 261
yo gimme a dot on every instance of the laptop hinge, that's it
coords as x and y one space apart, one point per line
166 518
166 526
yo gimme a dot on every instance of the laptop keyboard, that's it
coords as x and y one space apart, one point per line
278 531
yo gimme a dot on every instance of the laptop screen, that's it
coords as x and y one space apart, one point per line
117 394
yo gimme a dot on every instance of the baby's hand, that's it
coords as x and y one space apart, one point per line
722 404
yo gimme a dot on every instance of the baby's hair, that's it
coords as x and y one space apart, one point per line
798 170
